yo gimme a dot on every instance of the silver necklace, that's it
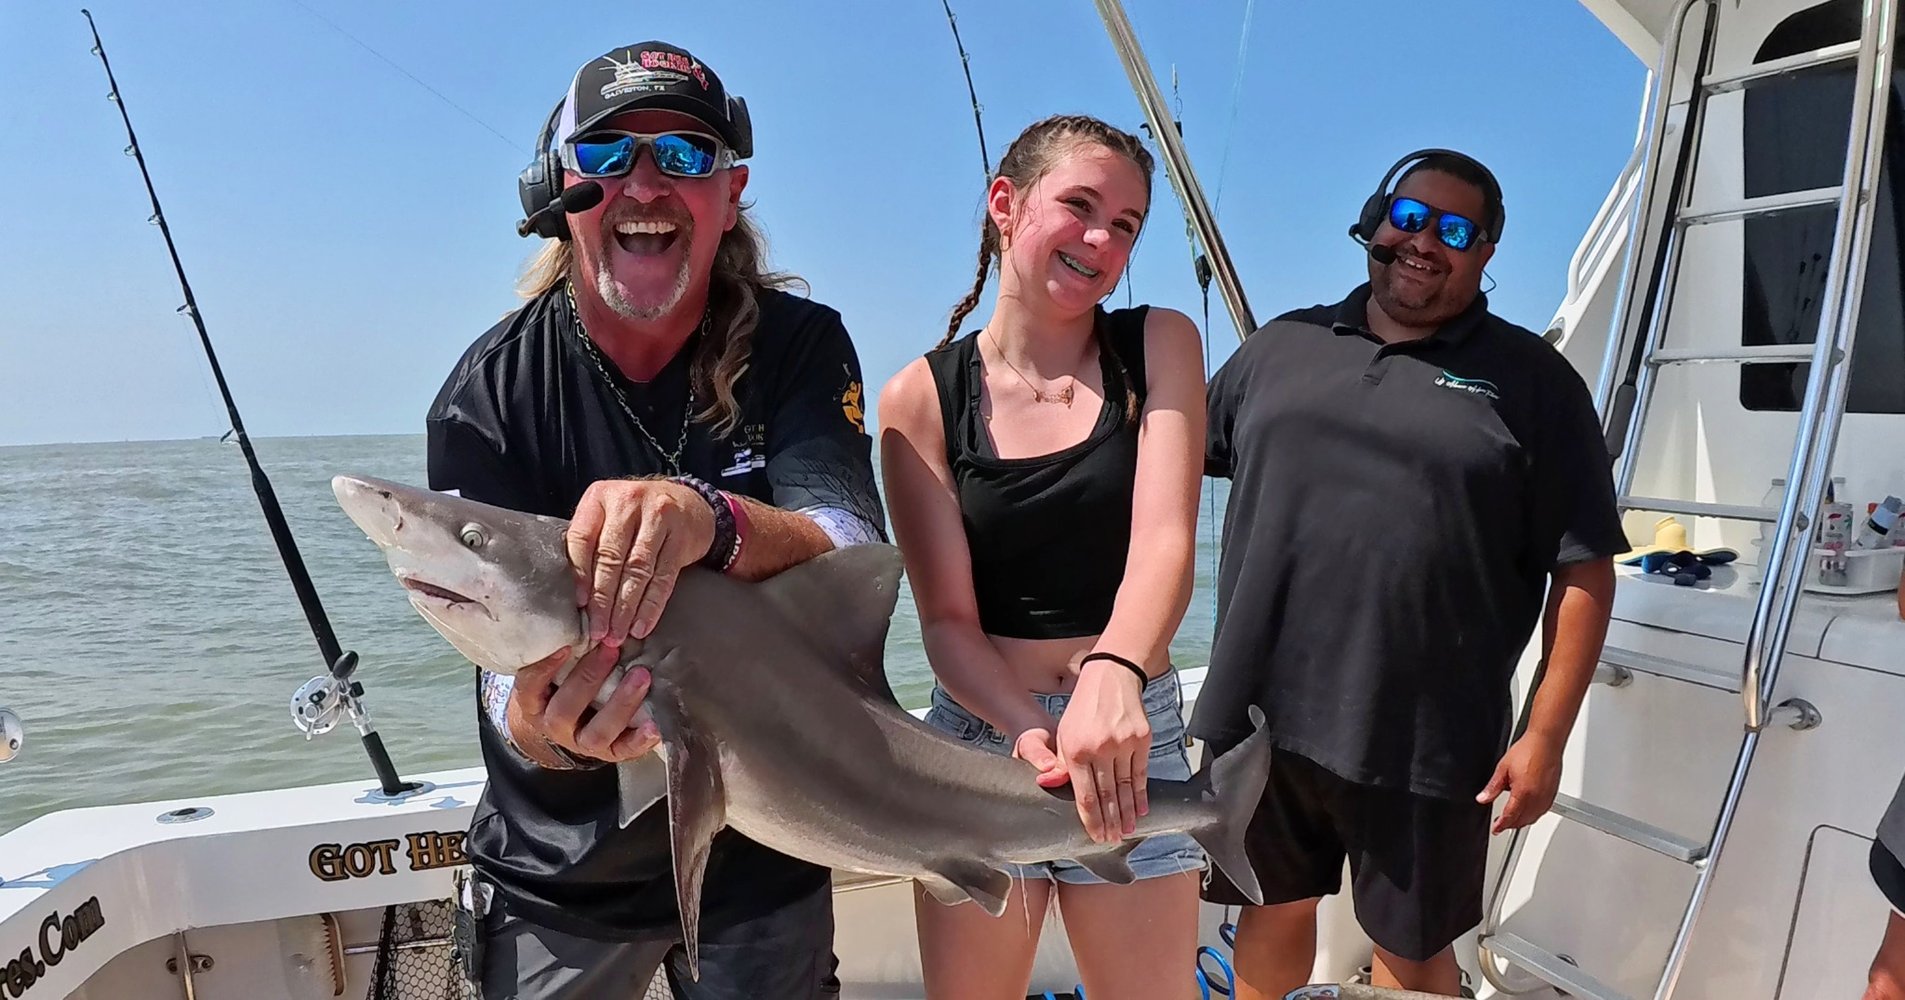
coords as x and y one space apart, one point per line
594 355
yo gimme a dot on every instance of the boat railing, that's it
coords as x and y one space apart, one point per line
1610 220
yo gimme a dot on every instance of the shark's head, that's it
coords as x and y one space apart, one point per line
497 583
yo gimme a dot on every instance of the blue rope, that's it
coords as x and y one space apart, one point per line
1206 982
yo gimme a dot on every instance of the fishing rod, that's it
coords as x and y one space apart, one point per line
320 703
1177 163
985 159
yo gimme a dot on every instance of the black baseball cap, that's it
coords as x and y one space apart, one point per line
654 75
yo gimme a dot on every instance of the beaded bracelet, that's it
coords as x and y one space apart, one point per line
1144 679
726 546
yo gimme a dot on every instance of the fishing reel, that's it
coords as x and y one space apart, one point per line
12 736
323 701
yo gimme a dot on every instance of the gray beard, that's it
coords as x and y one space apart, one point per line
612 295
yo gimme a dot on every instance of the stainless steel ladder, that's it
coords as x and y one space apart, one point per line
1654 256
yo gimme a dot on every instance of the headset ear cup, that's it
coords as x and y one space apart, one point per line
1371 218
743 127
540 184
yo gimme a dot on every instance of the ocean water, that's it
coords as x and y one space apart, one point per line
151 641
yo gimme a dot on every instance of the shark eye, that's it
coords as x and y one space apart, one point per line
473 537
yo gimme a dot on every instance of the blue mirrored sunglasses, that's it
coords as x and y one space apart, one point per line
1412 216
609 153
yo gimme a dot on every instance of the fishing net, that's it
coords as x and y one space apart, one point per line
414 960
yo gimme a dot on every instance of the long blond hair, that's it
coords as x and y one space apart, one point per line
721 359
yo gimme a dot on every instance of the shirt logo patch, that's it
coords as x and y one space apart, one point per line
746 460
853 404
1473 386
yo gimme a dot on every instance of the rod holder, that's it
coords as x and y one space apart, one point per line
1796 714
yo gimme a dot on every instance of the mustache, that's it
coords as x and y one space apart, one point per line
683 221
1408 252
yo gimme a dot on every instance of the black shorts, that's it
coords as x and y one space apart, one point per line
785 954
1889 873
1416 863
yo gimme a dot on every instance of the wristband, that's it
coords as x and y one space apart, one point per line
739 511
575 761
1144 679
726 545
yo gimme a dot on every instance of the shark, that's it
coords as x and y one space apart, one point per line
775 715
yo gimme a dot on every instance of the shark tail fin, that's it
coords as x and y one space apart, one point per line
1237 779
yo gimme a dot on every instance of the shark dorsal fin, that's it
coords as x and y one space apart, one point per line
849 595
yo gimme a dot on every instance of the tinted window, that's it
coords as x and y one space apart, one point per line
1795 138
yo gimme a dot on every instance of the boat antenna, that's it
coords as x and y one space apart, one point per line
320 703
965 63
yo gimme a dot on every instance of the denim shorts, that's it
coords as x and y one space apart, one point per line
1163 854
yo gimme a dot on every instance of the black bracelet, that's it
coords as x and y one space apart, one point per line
1144 679
727 536
575 761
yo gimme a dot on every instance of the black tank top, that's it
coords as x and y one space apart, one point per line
1048 535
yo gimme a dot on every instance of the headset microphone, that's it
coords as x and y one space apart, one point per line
1384 255
580 198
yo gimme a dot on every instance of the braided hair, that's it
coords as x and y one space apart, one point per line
1036 150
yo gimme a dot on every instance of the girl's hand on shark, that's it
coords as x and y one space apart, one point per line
1104 739
1034 746
562 713
629 540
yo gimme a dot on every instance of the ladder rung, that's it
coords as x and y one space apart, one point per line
1629 829
1843 52
1679 670
1735 355
1550 968
1764 205
1700 508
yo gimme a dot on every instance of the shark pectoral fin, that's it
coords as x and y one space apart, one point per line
957 881
1110 865
640 783
852 590
697 810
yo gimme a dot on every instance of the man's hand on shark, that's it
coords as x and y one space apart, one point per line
629 540
558 713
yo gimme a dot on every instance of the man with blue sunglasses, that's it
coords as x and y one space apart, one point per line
663 391
1410 476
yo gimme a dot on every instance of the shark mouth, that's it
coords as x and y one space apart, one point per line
445 594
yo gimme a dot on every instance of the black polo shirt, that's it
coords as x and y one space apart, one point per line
1394 512
527 421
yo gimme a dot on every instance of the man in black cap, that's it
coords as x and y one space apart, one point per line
1410 474
662 391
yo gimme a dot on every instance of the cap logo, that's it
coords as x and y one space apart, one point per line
650 71
675 62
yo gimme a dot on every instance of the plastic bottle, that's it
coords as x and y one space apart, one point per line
1875 532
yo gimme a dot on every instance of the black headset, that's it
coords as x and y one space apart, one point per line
1366 224
540 183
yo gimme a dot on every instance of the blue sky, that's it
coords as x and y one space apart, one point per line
348 233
